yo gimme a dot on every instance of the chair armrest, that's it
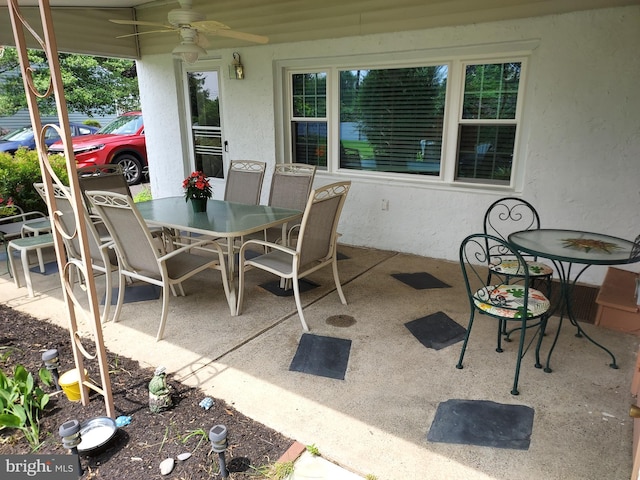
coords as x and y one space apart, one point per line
22 217
201 244
274 246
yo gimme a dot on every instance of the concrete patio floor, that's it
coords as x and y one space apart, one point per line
376 420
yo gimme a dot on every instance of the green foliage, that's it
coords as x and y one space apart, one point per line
143 195
276 471
92 122
92 85
313 450
21 403
18 174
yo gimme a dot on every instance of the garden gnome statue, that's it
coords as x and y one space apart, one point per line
159 394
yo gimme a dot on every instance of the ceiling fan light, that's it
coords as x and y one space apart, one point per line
189 52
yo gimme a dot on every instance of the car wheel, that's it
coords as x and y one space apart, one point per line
131 167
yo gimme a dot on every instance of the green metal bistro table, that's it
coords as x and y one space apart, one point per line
221 220
569 248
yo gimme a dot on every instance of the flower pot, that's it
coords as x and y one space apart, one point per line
199 204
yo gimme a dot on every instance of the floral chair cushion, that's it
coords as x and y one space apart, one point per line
513 268
508 301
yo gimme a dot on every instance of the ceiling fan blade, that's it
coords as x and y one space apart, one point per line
209 26
136 22
148 31
249 37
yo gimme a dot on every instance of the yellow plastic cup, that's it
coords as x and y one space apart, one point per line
70 384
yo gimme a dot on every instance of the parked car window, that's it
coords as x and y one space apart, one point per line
125 125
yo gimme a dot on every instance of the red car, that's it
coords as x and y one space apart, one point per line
121 141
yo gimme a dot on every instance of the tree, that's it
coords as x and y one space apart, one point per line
92 85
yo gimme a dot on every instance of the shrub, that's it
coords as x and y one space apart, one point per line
19 172
92 122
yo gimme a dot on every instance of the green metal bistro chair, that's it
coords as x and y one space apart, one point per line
502 218
517 303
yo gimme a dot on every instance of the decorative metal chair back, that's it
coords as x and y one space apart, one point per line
508 215
502 218
244 182
501 300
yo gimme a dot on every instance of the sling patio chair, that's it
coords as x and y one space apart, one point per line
102 255
143 257
291 184
244 181
314 248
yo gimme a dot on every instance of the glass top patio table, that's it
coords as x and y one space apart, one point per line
566 248
576 246
222 219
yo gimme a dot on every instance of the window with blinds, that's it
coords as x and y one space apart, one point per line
309 118
453 121
391 120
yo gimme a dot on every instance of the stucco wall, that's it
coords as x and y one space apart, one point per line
581 147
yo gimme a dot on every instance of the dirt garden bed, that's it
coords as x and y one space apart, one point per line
137 449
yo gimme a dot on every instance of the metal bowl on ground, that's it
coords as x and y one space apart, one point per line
95 433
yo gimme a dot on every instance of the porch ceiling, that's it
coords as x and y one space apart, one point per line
82 25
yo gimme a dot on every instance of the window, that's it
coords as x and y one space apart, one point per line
454 121
391 119
309 118
487 125
204 103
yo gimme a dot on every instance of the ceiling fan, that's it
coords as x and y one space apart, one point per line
192 26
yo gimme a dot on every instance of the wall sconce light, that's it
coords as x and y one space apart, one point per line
236 69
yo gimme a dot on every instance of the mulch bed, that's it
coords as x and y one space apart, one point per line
137 449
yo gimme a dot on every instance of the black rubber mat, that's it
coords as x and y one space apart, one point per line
483 423
436 331
420 280
274 287
322 356
49 268
136 293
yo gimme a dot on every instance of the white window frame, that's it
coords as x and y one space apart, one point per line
456 58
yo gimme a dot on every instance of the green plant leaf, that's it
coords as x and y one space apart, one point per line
9 420
46 377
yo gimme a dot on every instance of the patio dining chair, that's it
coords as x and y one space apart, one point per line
315 247
21 224
518 303
102 256
244 181
143 257
502 218
291 184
